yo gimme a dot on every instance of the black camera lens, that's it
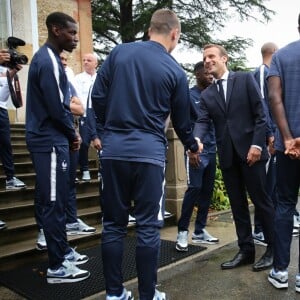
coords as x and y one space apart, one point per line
22 60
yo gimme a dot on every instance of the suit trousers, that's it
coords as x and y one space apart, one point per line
239 179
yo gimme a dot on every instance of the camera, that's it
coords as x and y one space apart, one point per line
16 58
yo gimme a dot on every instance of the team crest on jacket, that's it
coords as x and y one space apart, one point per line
64 166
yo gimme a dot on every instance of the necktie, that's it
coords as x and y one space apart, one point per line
221 90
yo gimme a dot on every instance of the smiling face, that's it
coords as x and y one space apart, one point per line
215 61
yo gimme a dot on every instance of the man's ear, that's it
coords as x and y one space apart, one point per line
174 33
55 30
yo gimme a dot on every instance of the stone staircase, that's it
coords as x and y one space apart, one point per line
17 242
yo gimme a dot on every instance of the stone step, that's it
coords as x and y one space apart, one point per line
13 210
27 166
29 178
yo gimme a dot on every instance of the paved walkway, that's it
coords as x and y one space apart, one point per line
199 276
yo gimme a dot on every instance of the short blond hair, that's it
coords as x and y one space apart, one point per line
163 21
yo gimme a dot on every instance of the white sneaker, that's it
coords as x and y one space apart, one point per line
259 238
76 258
2 225
41 243
167 214
297 287
126 295
296 225
204 238
15 184
67 273
79 228
131 219
86 176
278 279
159 295
182 241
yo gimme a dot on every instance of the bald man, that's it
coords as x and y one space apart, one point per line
87 124
260 74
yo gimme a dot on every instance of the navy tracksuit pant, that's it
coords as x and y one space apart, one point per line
199 192
52 191
124 181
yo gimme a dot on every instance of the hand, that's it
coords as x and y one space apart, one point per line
292 148
200 145
75 146
194 158
271 148
253 156
97 144
4 56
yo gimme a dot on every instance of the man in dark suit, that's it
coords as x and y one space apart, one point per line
234 104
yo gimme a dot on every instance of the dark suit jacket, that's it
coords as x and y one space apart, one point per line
239 123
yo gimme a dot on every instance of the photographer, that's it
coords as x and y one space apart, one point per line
12 183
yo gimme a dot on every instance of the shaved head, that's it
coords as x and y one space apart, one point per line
268 49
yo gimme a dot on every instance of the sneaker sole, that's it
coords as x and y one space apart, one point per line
168 216
3 227
181 249
55 280
204 242
76 263
15 188
41 248
277 284
257 242
80 232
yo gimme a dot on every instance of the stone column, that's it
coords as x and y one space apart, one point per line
175 174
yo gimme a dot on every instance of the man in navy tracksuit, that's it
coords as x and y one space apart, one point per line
135 90
49 135
201 179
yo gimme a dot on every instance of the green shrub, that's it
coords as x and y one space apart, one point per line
220 200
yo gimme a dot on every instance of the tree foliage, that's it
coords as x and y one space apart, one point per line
121 21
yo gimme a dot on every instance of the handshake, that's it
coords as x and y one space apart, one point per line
194 157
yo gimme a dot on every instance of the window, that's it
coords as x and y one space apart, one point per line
5 22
